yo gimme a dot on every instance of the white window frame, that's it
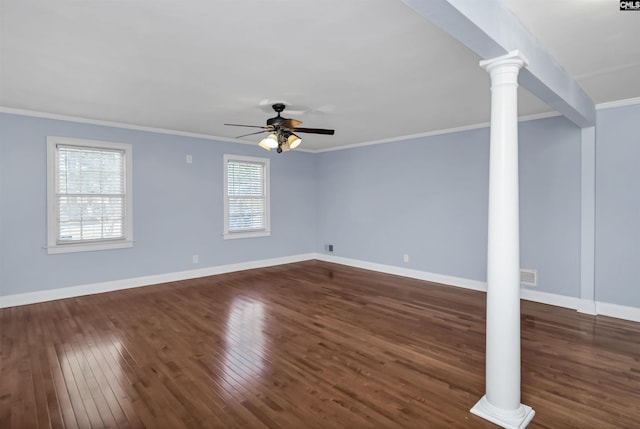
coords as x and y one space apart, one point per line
227 235
53 246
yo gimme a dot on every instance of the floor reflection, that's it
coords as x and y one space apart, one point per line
94 366
245 342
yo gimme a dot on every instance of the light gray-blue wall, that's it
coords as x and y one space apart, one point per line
427 198
617 265
550 203
177 207
424 197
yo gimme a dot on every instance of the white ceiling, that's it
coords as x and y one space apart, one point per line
370 69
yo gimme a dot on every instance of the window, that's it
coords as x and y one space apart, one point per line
246 197
89 195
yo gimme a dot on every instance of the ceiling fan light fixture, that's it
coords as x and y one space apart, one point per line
293 141
269 142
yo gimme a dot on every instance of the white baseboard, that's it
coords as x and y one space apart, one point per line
550 298
406 272
587 306
90 289
527 294
583 306
618 311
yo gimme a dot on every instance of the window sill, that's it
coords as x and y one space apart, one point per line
249 234
88 247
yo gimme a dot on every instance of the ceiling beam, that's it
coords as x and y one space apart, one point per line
490 30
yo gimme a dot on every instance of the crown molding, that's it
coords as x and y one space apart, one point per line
69 118
481 125
81 120
618 103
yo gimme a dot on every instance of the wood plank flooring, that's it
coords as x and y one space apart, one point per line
306 345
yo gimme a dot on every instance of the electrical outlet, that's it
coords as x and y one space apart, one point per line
195 259
328 247
405 258
189 159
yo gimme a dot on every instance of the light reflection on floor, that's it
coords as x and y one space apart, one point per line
98 362
245 342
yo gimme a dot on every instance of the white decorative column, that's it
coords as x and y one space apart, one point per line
501 402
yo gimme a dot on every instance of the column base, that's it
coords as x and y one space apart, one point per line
508 419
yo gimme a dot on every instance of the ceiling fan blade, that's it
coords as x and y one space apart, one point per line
251 134
250 126
313 131
291 123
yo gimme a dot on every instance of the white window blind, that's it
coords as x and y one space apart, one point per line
246 197
90 194
89 199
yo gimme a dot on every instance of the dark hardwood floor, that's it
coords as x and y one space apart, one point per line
306 345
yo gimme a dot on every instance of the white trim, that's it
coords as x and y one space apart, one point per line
90 289
536 116
603 308
53 246
89 247
406 272
582 306
267 197
125 126
618 311
525 118
587 306
526 294
122 125
550 298
618 103
406 137
246 234
69 118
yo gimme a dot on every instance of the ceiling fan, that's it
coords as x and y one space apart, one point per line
282 131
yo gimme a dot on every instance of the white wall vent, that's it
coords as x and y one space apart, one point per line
529 277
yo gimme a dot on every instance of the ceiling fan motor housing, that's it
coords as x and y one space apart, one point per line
275 122
278 120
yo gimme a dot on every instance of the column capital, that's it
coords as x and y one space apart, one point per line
513 58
